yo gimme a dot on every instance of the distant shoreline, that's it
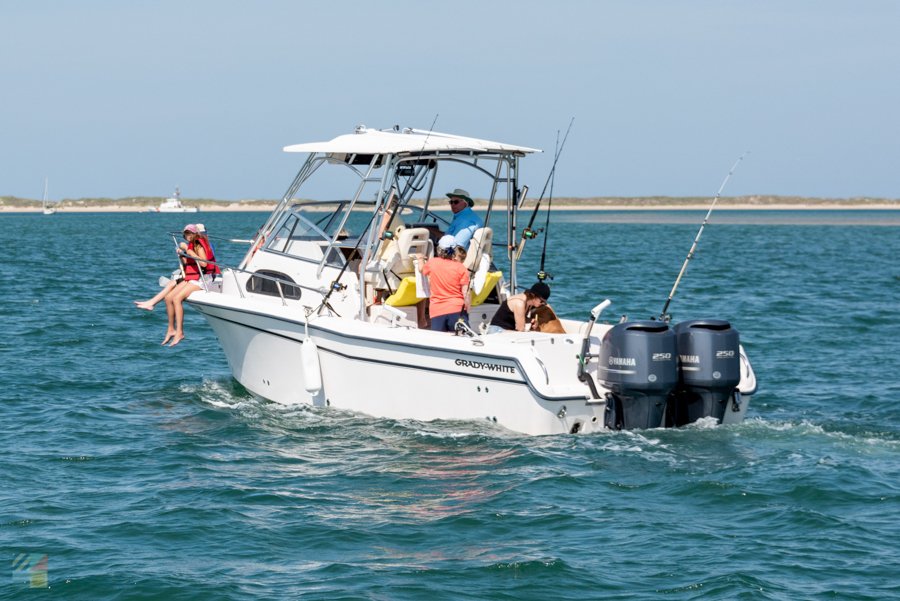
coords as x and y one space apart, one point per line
116 209
9 204
269 209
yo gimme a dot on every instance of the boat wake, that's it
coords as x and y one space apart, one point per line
223 393
805 428
667 445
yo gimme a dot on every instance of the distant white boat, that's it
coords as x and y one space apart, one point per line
173 205
45 205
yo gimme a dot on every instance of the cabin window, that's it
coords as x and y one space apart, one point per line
258 285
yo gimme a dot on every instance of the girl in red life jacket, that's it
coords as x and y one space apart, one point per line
194 265
210 269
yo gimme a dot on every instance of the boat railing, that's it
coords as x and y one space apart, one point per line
278 281
237 240
222 267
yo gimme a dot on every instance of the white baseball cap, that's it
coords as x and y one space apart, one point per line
448 242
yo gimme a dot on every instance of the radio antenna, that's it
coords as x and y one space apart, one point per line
690 255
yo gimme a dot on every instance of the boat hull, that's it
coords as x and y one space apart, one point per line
404 374
391 380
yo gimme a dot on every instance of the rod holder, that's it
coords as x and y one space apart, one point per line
596 311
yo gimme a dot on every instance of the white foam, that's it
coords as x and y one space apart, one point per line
216 403
705 423
625 448
443 434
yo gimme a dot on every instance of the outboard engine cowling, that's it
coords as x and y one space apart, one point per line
638 365
709 366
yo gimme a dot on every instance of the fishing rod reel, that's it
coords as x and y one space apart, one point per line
543 275
338 287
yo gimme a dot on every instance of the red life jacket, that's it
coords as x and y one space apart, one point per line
210 269
191 268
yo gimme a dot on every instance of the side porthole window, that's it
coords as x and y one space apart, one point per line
258 285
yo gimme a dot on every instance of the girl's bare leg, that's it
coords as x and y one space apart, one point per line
149 304
181 293
170 311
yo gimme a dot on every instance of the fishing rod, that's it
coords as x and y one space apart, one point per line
541 274
428 135
662 316
528 233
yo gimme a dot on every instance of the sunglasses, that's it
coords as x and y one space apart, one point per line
456 202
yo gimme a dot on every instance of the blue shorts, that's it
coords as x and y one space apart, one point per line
447 323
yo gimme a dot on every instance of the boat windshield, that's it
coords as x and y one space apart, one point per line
320 223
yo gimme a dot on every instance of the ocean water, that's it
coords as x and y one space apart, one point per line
146 472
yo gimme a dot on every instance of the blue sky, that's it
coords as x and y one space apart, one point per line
123 99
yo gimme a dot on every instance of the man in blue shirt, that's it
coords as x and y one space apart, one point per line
465 221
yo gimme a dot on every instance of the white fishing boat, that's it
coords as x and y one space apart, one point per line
321 310
45 204
173 205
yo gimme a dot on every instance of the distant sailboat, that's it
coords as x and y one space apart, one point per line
46 204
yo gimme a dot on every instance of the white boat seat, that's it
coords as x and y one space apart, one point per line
482 243
386 272
408 243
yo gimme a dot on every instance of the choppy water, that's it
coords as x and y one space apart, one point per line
147 472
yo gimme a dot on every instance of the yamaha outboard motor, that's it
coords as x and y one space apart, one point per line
638 365
709 365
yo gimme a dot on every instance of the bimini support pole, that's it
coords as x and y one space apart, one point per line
390 165
512 200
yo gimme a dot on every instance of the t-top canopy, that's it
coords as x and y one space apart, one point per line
372 141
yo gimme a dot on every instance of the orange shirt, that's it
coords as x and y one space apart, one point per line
446 277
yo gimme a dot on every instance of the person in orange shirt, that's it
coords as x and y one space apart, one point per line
449 282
